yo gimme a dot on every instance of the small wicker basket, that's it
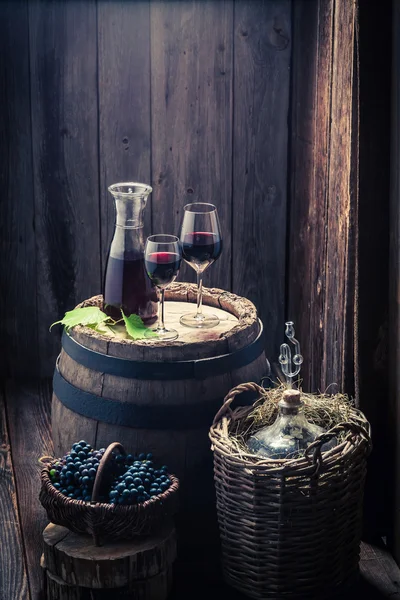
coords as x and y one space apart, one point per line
289 528
102 520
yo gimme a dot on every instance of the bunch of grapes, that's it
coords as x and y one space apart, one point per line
74 474
139 480
135 479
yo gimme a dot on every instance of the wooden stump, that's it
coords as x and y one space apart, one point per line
76 569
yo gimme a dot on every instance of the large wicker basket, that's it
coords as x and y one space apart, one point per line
289 528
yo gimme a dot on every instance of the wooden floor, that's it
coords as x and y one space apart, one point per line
25 436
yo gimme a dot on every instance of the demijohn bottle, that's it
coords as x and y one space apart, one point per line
290 433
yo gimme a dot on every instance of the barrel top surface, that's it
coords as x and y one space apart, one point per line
82 546
238 327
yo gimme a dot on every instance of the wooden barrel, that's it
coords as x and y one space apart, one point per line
158 397
76 569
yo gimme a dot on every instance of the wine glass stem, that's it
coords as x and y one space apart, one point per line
199 313
161 326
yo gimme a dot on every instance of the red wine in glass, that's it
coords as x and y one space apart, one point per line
201 246
162 267
162 256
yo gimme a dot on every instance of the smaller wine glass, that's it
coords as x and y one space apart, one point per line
162 258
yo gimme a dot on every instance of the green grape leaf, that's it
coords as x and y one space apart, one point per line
136 328
90 316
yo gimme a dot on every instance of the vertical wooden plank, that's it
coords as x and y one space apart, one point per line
18 328
191 88
262 42
28 410
338 357
311 90
65 151
13 576
124 104
394 271
324 193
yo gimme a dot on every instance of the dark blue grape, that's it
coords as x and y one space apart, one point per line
140 499
149 456
137 481
88 498
125 494
113 494
92 472
120 487
140 489
128 480
82 455
85 480
57 486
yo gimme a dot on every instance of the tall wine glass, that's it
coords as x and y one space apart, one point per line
201 246
162 259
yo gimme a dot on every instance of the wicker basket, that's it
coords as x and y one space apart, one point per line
289 527
107 521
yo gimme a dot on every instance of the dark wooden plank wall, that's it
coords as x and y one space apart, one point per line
192 96
64 112
262 45
18 304
324 196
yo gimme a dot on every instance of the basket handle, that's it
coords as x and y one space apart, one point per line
103 470
328 435
243 387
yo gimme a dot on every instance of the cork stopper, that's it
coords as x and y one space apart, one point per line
290 401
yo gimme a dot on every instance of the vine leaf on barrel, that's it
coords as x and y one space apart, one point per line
135 327
89 315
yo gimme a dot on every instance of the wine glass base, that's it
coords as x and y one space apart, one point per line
192 320
161 335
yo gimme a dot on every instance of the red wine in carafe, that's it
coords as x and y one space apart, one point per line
127 286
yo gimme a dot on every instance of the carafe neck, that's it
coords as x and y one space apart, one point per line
130 202
129 213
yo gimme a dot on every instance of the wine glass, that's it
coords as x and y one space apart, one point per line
201 246
162 259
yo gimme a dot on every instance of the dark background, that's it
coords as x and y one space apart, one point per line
277 111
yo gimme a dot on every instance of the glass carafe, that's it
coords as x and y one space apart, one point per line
126 285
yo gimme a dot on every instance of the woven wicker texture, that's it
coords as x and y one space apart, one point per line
289 528
107 521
